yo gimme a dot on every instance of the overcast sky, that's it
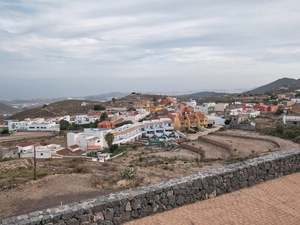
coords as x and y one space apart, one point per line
51 48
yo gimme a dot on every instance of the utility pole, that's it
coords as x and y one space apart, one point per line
34 162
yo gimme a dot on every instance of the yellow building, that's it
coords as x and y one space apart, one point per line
153 109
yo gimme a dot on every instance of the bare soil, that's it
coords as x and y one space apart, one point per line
64 181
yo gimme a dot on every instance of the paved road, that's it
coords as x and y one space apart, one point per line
273 202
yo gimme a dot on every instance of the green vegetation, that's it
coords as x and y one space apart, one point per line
109 138
129 173
103 117
5 131
123 123
99 107
65 125
290 133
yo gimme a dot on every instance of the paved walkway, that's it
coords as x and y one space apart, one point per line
272 202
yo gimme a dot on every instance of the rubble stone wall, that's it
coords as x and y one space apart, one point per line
123 206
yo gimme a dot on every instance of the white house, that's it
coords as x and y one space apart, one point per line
205 107
26 150
191 103
87 118
92 138
32 126
132 116
296 100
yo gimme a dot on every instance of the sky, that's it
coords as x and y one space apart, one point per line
57 48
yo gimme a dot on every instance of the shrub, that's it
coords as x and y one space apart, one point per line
5 131
222 129
129 173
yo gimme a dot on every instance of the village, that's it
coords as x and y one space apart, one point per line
114 146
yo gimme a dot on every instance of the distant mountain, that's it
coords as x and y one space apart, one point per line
6 109
106 96
275 85
204 94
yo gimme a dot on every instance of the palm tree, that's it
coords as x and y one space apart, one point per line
109 138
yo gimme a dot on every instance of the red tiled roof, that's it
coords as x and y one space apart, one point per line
93 147
79 152
200 115
181 118
105 122
191 117
66 151
74 146
25 144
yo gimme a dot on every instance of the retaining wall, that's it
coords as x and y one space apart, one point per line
123 206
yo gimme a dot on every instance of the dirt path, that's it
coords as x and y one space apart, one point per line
212 151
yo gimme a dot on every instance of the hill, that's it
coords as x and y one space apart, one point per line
203 94
7 109
105 97
275 86
66 107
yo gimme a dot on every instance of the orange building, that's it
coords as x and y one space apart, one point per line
265 108
106 124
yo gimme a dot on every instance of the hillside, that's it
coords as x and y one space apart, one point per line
6 109
105 97
204 94
66 107
275 86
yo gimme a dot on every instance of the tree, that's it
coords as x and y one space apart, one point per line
109 138
99 107
227 122
103 117
279 127
114 148
5 131
64 125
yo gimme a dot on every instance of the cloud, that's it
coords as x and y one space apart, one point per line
154 38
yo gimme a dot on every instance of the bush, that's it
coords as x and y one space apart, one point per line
291 132
5 131
222 129
99 107
129 173
297 139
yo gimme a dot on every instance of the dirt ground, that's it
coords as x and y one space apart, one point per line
65 181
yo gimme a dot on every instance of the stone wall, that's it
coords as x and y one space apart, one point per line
119 207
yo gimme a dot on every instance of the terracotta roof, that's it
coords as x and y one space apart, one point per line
25 144
93 147
190 117
74 146
200 115
105 122
79 152
66 151
181 118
